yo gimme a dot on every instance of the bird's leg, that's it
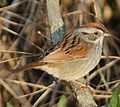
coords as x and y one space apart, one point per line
82 86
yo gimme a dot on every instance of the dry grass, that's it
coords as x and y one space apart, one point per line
20 44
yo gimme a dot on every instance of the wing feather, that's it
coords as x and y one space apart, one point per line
72 47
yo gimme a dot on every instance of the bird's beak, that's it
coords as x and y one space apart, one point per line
107 35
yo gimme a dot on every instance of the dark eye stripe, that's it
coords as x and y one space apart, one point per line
84 33
96 33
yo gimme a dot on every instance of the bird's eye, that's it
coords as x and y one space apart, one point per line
96 33
84 33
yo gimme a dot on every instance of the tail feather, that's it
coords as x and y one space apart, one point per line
28 67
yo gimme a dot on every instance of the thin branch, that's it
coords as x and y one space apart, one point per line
11 59
109 83
110 57
102 68
102 96
9 21
8 88
26 83
33 93
12 6
15 15
9 30
17 52
40 99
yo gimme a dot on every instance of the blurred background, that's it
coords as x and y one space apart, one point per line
25 37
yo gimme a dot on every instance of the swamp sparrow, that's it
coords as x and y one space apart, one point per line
79 53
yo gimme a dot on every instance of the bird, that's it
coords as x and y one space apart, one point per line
78 53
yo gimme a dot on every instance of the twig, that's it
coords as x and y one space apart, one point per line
102 96
9 30
11 59
33 93
109 83
6 86
40 99
104 80
12 6
17 52
15 15
9 21
102 68
80 12
111 57
26 83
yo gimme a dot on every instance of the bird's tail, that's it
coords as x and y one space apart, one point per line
28 67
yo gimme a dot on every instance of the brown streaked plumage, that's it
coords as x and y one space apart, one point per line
73 49
79 52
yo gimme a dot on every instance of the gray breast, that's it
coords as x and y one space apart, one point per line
94 58
81 67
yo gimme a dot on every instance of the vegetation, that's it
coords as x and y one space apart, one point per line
25 37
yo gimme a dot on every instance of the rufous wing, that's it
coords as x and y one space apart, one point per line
79 51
